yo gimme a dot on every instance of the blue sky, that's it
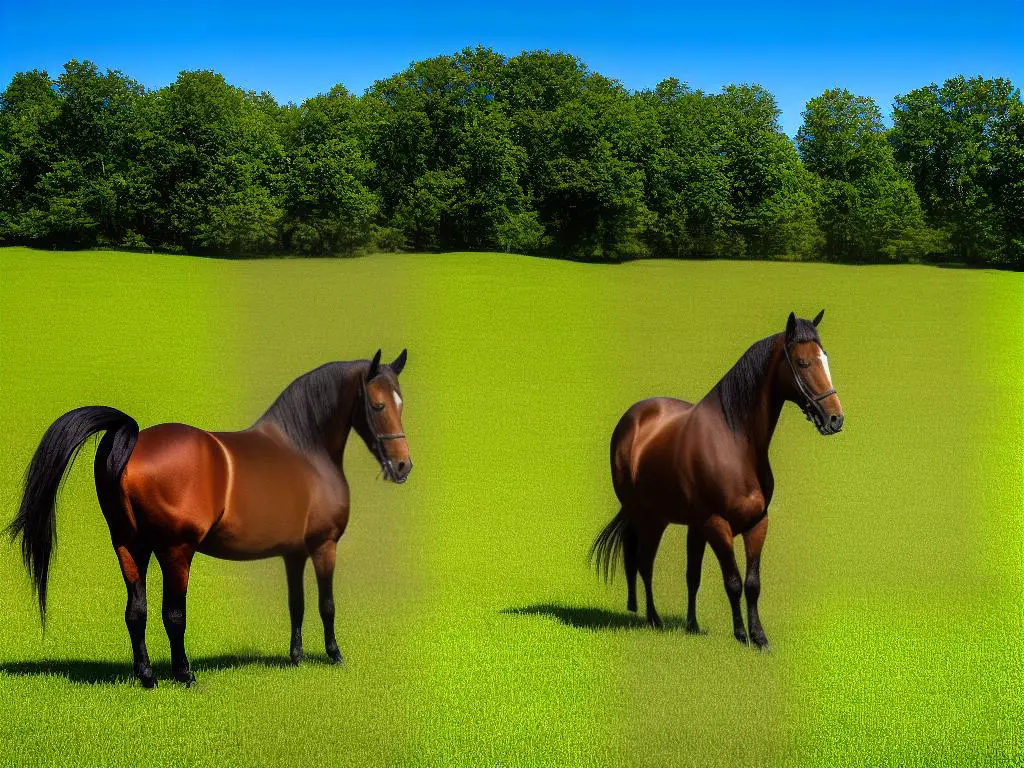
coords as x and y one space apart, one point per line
299 48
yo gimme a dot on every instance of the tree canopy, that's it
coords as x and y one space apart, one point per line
534 153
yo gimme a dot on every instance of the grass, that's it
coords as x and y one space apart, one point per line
893 581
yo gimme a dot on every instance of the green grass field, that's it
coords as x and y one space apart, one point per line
893 575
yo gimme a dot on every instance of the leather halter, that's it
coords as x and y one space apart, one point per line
378 438
813 401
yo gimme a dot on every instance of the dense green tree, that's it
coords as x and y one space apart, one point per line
534 154
447 169
221 158
725 180
29 109
964 143
72 144
869 211
328 207
586 140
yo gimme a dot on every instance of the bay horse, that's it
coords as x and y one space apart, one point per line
275 489
706 466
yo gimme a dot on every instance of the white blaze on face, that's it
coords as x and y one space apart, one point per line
398 400
824 364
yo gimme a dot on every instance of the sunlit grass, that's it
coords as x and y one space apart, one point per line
473 630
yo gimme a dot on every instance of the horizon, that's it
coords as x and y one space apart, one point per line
880 53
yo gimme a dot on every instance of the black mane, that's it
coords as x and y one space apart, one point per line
309 405
737 390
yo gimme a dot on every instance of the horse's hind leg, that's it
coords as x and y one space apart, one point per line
648 539
695 544
323 564
629 554
134 561
175 563
753 541
719 536
294 565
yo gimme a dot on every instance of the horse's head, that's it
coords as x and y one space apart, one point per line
380 419
808 381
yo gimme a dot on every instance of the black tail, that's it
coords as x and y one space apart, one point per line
608 545
36 521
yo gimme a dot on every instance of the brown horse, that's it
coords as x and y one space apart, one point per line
172 490
706 466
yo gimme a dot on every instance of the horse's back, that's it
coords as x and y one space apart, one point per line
644 426
175 482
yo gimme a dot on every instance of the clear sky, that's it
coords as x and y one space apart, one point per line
299 48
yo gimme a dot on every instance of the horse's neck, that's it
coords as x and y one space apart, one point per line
758 424
338 434
764 417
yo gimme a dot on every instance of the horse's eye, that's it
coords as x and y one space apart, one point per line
378 406
803 363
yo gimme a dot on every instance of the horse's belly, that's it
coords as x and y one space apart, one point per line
267 504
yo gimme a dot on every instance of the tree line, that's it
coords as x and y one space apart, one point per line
532 154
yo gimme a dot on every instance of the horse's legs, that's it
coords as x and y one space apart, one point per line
648 539
629 547
753 541
323 564
719 536
134 560
695 543
175 563
294 565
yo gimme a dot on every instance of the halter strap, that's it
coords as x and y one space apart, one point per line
378 438
812 399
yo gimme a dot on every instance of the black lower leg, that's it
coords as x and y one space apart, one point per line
734 589
135 619
134 560
695 544
719 536
327 616
753 591
647 550
174 624
323 564
294 566
629 544
175 565
754 542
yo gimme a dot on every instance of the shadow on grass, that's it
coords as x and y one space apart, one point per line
590 618
109 672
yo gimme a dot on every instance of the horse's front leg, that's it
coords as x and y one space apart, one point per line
719 536
323 564
294 565
753 541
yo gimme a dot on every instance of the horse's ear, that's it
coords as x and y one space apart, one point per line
790 327
399 363
817 318
374 366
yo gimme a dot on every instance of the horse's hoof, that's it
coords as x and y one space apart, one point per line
693 628
186 678
631 607
335 658
147 679
741 636
655 622
297 657
760 642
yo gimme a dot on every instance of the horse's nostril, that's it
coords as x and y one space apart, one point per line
401 466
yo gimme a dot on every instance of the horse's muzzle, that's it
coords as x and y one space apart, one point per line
826 424
398 471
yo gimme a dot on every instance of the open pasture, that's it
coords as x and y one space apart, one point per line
474 632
